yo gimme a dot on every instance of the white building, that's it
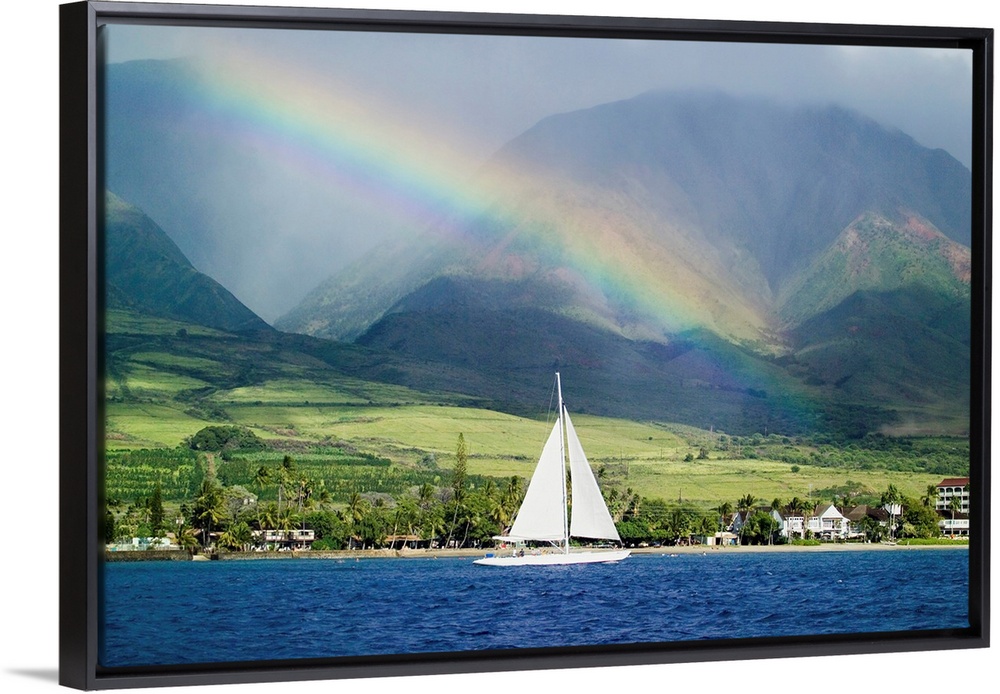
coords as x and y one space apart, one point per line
950 488
957 527
828 523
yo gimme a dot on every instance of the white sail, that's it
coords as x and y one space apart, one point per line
591 518
542 514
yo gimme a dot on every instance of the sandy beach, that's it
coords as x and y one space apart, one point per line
699 549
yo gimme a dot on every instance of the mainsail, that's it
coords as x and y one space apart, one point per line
542 514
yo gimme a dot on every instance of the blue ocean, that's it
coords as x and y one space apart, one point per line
162 613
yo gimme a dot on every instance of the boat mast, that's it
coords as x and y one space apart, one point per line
562 457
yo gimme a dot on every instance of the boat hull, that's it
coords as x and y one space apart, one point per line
556 559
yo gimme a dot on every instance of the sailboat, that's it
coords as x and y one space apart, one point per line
544 514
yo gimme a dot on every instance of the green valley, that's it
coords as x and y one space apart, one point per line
349 433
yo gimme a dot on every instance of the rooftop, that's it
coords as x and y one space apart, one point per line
954 482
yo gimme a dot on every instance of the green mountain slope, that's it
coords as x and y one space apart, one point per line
506 354
145 271
908 347
875 253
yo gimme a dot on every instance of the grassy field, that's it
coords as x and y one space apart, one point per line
644 457
164 385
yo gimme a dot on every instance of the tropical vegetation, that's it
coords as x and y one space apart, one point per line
239 503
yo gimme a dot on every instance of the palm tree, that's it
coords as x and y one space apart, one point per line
267 519
432 522
261 479
797 507
954 505
497 513
746 504
354 514
323 496
707 526
472 513
613 500
889 500
209 509
405 516
807 513
425 496
284 475
634 505
287 520
930 498
677 524
512 495
872 529
237 537
458 483
185 536
725 509
355 510
304 497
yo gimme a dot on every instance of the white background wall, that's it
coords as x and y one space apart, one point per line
28 290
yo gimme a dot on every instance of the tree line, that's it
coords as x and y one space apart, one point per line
457 514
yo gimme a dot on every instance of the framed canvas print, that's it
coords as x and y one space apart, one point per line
400 342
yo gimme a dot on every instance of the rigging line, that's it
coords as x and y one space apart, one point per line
552 395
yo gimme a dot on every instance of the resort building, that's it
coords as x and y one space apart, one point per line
954 521
954 527
950 488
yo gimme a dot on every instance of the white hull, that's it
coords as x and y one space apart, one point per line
555 559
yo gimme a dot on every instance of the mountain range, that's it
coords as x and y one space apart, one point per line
682 256
727 206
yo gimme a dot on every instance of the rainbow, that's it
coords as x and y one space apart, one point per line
385 157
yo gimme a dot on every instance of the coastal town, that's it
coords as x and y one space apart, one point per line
945 508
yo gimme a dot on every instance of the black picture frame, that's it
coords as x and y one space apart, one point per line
80 350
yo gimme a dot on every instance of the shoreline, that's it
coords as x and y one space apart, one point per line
707 550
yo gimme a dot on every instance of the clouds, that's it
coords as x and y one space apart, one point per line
494 87
470 95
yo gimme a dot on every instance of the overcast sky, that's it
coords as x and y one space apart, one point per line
499 86
471 94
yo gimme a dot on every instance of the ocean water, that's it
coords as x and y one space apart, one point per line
162 613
